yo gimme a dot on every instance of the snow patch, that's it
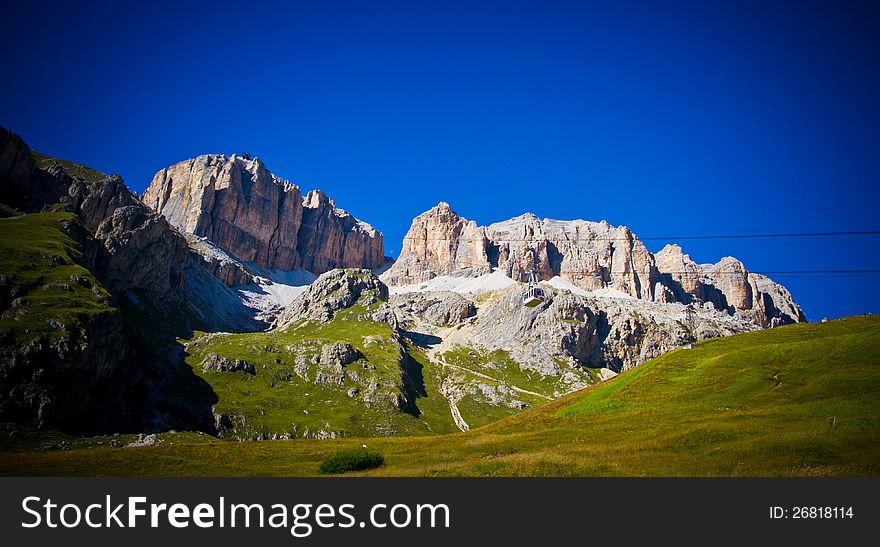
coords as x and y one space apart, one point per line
274 289
494 281
606 292
207 249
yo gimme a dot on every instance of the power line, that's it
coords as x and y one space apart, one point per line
768 235
771 235
697 271
765 210
649 238
653 238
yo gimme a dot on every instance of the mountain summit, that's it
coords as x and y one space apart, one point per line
241 207
593 256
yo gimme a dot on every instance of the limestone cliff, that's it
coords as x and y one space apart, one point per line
440 242
727 285
591 255
258 217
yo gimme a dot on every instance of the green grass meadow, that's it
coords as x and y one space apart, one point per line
800 400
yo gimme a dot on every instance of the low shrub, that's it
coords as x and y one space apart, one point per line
350 460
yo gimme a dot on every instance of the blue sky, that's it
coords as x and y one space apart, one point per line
674 118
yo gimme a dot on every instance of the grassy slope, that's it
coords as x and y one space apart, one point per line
499 364
73 169
276 401
39 263
798 400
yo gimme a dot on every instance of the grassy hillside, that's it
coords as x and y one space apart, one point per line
797 400
281 400
73 169
42 283
285 390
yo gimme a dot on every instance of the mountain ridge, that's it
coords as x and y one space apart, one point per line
243 208
219 301
760 404
591 255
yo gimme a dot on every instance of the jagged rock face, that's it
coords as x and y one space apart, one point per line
732 279
439 242
672 262
229 273
437 308
22 184
97 201
612 333
140 251
217 262
728 285
331 238
258 217
778 303
334 291
591 255
236 203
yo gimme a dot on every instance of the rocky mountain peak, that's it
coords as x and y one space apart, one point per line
671 250
439 242
590 255
333 291
256 216
316 199
441 210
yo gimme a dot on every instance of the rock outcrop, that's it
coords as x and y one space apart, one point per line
221 363
258 217
218 262
612 333
94 202
334 291
22 184
727 285
437 308
680 273
139 251
338 354
591 255
439 242
778 304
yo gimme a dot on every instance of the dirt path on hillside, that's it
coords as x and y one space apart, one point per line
487 377
453 408
434 351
